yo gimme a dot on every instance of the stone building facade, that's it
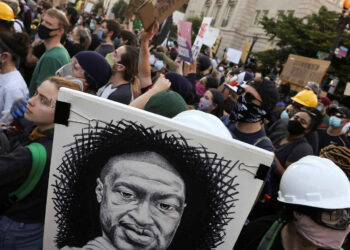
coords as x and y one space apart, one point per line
238 19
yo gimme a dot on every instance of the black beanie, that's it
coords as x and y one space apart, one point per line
97 70
268 93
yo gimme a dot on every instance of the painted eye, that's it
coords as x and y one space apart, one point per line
126 195
166 207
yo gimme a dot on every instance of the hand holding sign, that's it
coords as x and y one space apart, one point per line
147 35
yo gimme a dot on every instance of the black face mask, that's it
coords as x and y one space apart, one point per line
295 127
244 111
44 32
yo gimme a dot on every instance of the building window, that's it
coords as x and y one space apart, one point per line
265 13
216 13
279 13
257 17
228 14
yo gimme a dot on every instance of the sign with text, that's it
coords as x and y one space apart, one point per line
88 7
300 70
184 40
233 55
216 45
151 11
211 36
198 43
115 160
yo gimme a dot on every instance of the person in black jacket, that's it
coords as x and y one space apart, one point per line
22 220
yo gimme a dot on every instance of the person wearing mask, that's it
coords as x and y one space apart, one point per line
123 86
95 26
246 120
13 47
110 29
303 99
212 102
315 196
339 117
79 40
23 214
51 30
7 18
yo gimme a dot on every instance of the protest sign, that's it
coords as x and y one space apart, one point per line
197 45
150 11
132 7
88 7
222 178
347 89
210 36
233 55
245 50
216 45
184 40
300 70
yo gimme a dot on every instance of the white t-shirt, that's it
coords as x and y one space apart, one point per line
12 88
106 90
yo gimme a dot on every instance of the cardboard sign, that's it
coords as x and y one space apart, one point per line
132 7
88 7
216 45
198 43
150 12
245 51
300 70
93 184
210 36
184 30
233 55
347 89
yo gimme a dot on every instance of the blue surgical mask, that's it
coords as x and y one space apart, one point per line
99 34
334 122
152 59
116 42
284 115
78 22
71 39
92 26
203 104
159 64
319 108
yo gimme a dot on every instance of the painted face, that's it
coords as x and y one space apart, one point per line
141 205
41 107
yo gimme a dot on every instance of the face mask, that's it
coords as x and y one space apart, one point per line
78 22
346 128
319 108
100 35
92 26
65 70
152 59
318 235
284 115
244 111
203 104
71 39
159 65
110 60
295 127
44 32
335 122
116 42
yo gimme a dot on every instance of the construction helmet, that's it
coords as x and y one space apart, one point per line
306 98
6 13
315 182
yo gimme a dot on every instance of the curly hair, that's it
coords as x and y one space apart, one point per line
340 155
210 191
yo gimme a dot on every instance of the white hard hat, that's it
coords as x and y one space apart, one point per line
203 121
315 182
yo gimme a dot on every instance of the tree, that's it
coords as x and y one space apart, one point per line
305 36
119 8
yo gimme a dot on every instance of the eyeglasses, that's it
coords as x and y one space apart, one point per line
51 103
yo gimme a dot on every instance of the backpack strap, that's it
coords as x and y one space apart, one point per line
38 165
270 236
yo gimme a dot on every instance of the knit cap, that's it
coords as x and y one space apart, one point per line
166 103
97 70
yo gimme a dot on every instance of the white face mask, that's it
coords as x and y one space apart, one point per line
318 235
346 128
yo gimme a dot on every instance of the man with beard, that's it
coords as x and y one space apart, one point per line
127 186
51 30
110 29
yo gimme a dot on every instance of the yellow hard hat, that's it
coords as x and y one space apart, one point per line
6 13
306 98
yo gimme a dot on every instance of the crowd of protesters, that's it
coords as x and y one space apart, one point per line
45 47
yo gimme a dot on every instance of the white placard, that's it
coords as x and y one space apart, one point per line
233 55
88 7
210 36
99 129
347 89
197 45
